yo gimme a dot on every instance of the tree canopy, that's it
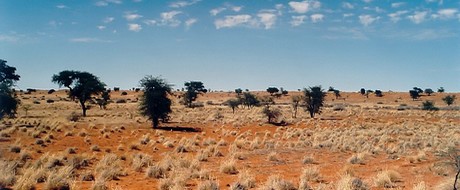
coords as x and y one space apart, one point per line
193 88
154 102
8 101
314 99
81 85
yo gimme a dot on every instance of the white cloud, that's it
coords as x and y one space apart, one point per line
431 34
268 19
347 5
107 2
232 21
108 19
180 4
87 40
150 22
298 20
137 1
396 16
8 38
216 11
347 15
100 27
367 1
134 27
376 9
237 8
397 4
304 6
61 6
129 16
447 13
440 2
317 18
418 17
367 20
190 22
169 18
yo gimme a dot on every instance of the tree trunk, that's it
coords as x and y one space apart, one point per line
83 107
233 109
155 123
456 179
295 112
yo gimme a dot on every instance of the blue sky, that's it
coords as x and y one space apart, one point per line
375 44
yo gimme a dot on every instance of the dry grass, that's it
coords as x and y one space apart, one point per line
228 166
208 185
278 183
8 173
61 179
311 173
387 179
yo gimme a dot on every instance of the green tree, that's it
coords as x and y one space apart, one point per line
378 93
272 90
314 99
429 105
193 88
295 102
449 99
362 91
104 100
249 100
233 103
429 91
81 85
441 89
8 101
414 94
238 91
337 94
154 102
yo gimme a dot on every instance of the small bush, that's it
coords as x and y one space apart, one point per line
429 105
74 117
124 93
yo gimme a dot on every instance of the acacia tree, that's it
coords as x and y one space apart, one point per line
314 99
449 99
429 91
249 100
154 102
272 90
193 89
233 103
81 85
414 94
8 101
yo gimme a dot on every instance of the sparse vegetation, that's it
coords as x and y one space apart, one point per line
314 100
155 103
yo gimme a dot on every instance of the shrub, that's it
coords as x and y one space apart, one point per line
120 101
74 116
276 182
449 100
49 101
208 185
124 93
228 167
429 105
51 91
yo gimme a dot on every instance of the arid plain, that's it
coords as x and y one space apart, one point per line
356 143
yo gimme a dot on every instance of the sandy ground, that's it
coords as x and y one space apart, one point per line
388 133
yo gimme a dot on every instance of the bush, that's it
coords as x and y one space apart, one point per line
51 91
74 116
124 93
120 101
49 101
429 105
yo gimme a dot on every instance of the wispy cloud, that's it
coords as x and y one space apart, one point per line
179 4
134 27
61 6
304 6
130 16
298 20
397 4
190 22
88 40
169 18
232 21
418 17
150 22
396 16
108 19
267 18
100 27
107 2
316 18
367 20
8 38
216 11
347 5
447 13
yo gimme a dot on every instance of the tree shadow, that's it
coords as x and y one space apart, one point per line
180 129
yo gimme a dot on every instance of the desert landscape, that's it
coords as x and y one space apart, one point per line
229 94
356 143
